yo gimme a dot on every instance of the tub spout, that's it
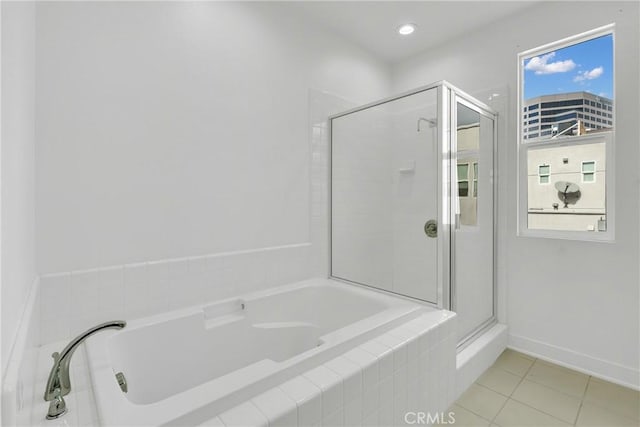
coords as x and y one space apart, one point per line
59 383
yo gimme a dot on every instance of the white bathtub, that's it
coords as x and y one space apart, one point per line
187 366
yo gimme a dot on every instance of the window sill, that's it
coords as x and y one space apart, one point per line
585 236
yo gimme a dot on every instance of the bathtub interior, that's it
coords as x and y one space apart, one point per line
240 335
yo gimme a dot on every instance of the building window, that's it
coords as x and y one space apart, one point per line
573 141
543 174
588 171
463 180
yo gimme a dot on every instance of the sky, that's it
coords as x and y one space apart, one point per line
586 66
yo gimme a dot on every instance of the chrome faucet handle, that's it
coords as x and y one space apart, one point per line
59 383
58 406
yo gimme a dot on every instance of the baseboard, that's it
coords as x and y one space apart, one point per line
17 384
606 370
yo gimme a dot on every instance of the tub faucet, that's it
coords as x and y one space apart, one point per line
59 383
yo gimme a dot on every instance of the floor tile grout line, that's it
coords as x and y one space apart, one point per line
568 371
507 397
474 413
612 411
580 398
605 407
556 389
490 389
523 403
469 410
516 387
584 394
523 377
540 410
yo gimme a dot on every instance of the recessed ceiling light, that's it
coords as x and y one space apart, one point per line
406 29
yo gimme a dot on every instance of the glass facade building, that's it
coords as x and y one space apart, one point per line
548 115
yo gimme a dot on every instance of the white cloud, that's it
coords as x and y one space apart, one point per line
541 64
589 75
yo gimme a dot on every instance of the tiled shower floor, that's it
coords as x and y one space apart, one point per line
519 390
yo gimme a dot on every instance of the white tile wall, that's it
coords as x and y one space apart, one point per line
74 301
321 106
18 392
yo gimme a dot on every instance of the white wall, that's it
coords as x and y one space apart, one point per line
574 302
18 223
177 129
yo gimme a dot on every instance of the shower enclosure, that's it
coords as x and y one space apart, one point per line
413 201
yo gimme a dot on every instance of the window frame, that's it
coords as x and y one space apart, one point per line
463 180
524 145
582 172
547 175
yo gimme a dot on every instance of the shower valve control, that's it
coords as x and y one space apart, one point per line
431 228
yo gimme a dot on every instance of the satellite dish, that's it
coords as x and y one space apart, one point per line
566 188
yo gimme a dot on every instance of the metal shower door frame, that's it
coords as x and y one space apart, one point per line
455 97
447 97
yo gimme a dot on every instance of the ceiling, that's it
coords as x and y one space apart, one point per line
373 24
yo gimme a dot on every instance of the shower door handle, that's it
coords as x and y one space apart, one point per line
431 228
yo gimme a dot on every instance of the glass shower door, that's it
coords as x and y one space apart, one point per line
472 279
386 192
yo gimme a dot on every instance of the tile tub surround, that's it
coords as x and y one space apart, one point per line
139 290
409 368
519 390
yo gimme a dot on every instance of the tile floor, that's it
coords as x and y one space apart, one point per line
519 390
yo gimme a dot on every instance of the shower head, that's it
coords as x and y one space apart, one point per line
431 122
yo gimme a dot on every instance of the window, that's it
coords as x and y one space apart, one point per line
463 180
543 174
588 171
570 83
475 179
